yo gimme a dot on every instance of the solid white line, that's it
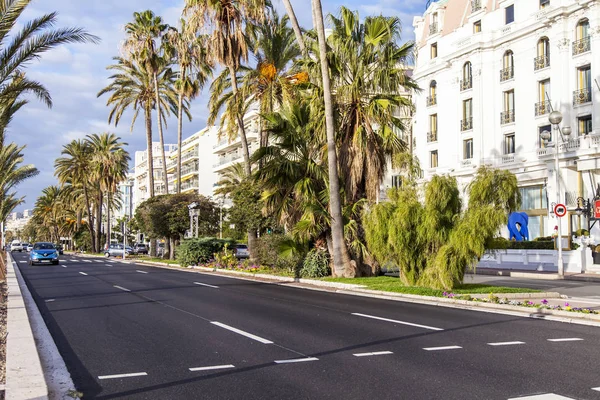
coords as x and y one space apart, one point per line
433 328
73 260
206 284
545 396
49 300
122 375
213 367
141 272
505 343
442 348
597 389
240 332
83 273
296 360
122 288
572 339
376 353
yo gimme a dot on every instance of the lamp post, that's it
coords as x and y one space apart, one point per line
555 119
126 215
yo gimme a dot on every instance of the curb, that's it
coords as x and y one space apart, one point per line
37 370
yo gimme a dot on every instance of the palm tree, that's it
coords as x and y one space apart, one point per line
143 33
231 179
194 71
132 87
48 208
297 31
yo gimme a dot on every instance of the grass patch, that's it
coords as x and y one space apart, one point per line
155 259
393 284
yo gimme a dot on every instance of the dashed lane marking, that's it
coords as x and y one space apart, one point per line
141 272
212 367
108 265
205 284
122 288
64 266
83 273
545 396
98 261
296 360
572 339
122 375
87 261
22 262
73 260
375 353
442 348
505 343
433 328
240 332
597 389
49 300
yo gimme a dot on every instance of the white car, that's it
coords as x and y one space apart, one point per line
16 246
30 247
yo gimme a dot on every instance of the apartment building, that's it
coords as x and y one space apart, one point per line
141 178
491 72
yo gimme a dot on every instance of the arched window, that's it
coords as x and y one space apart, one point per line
582 30
466 82
543 54
507 59
507 72
432 87
431 99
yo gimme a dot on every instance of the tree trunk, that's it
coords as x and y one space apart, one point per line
292 15
160 134
179 138
240 121
99 223
341 259
90 222
108 217
149 155
171 249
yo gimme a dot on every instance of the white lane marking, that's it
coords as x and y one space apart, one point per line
240 332
64 266
73 260
122 375
108 265
98 261
296 360
22 262
141 272
442 348
206 284
545 396
504 343
49 300
86 261
597 389
571 339
433 328
122 288
211 368
376 353
83 273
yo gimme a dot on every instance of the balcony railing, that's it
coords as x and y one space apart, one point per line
508 158
542 108
541 62
581 46
475 5
433 28
431 100
582 96
467 162
431 136
466 84
466 124
507 73
506 117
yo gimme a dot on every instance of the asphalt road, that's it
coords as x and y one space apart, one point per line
132 332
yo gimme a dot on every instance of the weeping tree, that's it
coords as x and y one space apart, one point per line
434 241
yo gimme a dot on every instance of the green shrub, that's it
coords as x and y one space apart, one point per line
316 264
544 239
197 251
581 232
226 258
503 244
266 251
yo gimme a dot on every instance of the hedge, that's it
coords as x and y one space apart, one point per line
198 251
503 244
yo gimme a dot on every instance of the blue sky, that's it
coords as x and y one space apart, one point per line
75 73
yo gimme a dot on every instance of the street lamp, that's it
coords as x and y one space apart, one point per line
555 119
129 185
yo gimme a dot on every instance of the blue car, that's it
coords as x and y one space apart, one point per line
43 253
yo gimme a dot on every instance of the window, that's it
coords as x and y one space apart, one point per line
466 82
509 14
432 135
431 99
396 181
541 129
533 198
507 71
583 29
585 125
544 90
582 43
467 115
477 27
433 159
544 4
509 100
434 52
433 26
467 149
509 143
584 78
543 54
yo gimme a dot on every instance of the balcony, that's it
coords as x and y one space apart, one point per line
541 62
431 100
221 142
467 162
507 73
433 28
431 137
582 96
542 108
466 84
581 46
506 117
475 5
227 159
508 158
466 124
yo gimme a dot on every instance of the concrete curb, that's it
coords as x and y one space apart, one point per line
535 275
49 373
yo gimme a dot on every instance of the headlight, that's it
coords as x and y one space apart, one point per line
35 255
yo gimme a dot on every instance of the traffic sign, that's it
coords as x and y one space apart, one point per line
560 210
597 209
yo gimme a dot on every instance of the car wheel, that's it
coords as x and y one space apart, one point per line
107 254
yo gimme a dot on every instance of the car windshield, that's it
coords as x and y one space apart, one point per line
43 246
141 246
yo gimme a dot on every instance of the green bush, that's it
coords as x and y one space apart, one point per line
544 239
503 244
197 251
316 264
266 251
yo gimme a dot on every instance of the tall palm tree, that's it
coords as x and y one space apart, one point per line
48 209
297 31
194 71
142 35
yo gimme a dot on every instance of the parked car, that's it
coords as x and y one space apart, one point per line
30 247
241 251
43 253
59 248
140 248
16 246
25 245
116 250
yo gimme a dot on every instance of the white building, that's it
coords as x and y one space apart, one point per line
141 178
126 189
491 72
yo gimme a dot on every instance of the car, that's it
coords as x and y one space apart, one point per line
241 251
59 248
116 250
25 246
43 253
30 247
140 248
16 246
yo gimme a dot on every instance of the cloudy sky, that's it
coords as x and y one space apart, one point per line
74 74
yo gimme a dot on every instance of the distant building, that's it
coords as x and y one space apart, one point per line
141 192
